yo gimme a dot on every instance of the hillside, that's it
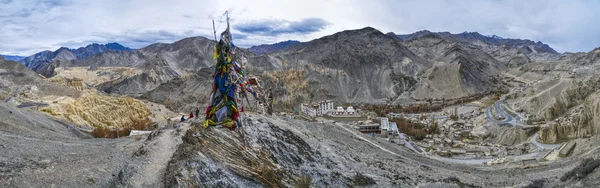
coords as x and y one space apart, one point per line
500 48
366 66
267 48
39 60
12 57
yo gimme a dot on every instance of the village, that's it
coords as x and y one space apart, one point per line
445 134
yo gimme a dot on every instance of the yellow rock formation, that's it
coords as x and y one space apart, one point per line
97 76
74 83
97 110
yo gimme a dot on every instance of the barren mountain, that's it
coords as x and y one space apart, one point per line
18 80
527 46
362 65
267 48
500 48
42 59
158 63
368 66
354 66
12 57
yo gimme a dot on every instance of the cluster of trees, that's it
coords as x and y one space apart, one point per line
383 110
416 130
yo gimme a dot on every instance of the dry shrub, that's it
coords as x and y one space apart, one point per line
302 182
140 124
103 132
271 177
136 124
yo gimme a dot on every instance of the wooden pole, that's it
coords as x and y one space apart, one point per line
214 30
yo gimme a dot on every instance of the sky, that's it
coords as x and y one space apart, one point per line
31 26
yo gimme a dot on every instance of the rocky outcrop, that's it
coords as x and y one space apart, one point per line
185 93
95 110
74 83
460 71
505 135
583 122
274 157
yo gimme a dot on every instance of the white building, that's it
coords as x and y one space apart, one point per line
320 109
325 107
308 110
350 110
339 111
385 124
393 128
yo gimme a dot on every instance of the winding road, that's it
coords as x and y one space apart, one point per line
534 140
508 119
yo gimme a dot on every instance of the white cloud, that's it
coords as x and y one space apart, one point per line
29 26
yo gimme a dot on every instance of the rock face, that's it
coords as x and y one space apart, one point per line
96 110
460 69
583 122
507 136
184 94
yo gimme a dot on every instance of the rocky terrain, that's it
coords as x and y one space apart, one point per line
50 111
70 99
367 66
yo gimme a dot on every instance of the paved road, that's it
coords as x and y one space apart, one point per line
533 139
508 119
29 104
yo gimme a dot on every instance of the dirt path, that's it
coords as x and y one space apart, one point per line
11 95
156 153
547 89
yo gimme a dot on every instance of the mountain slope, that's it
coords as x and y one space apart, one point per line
361 65
500 48
365 66
267 48
12 57
41 59
158 63
527 46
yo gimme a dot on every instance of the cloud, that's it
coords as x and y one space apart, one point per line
277 27
136 39
30 26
